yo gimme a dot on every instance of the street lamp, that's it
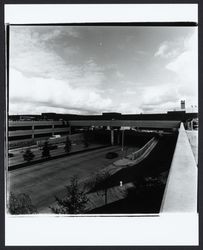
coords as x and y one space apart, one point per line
122 149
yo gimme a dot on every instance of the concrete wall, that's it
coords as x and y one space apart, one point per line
181 189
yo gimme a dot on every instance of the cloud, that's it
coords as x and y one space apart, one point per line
31 54
170 49
130 92
62 69
159 98
186 68
39 92
161 51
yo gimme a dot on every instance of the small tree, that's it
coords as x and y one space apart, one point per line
68 145
46 150
21 204
28 155
100 181
74 202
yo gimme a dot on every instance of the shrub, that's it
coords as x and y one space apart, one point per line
74 202
68 145
46 150
101 181
21 204
28 155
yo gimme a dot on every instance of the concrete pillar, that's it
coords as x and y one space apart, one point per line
33 131
52 129
112 137
122 140
118 137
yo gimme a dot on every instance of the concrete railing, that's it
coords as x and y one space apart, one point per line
35 123
142 150
181 188
139 155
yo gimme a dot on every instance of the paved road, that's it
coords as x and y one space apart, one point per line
45 180
18 154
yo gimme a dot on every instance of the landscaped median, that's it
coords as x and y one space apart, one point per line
33 162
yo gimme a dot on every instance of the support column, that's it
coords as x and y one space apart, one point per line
52 129
122 140
118 137
112 137
33 131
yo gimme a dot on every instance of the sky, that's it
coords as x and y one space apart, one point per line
95 69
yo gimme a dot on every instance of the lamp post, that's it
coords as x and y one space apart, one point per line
122 148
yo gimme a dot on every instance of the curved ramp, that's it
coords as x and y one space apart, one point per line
132 159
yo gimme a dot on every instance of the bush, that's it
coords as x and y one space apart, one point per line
28 155
21 204
101 181
74 201
68 145
46 150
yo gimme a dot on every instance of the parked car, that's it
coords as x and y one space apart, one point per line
111 155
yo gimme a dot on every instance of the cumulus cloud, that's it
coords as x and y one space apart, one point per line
186 68
159 98
35 91
170 49
62 69
161 51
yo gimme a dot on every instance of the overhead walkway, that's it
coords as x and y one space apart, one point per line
127 123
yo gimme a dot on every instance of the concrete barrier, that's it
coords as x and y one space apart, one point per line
141 151
181 188
138 156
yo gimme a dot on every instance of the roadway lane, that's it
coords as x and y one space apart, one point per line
45 180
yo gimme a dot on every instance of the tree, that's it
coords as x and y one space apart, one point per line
74 202
100 181
68 145
28 155
46 150
21 204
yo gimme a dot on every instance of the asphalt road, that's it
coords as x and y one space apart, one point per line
45 180
18 153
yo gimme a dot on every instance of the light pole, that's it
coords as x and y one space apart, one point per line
122 140
122 148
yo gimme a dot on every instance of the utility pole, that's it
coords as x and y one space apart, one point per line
122 149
